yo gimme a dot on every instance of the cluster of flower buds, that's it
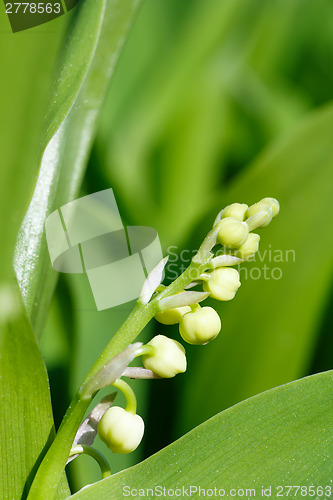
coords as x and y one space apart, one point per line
233 230
122 430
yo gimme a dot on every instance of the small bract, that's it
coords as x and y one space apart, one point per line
169 358
261 206
274 204
223 283
120 430
232 232
201 326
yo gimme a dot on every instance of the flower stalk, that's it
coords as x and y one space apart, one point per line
197 326
96 455
52 467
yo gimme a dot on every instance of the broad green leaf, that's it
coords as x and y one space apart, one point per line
27 64
26 404
25 408
91 50
26 415
270 327
279 438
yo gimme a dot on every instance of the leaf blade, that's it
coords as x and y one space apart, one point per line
26 412
283 433
88 65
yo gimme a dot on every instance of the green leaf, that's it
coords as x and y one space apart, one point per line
270 327
25 408
281 437
27 57
92 47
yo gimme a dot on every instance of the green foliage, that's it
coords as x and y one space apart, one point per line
82 77
26 414
83 74
271 341
22 111
281 437
212 102
237 126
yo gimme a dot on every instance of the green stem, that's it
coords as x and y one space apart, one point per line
128 393
52 467
100 459
130 329
142 314
146 350
195 307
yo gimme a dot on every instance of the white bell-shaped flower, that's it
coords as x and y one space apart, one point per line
223 283
121 430
201 326
169 358
236 210
232 232
249 248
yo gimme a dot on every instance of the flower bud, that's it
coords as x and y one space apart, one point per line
249 248
236 210
169 358
201 326
223 283
120 430
172 316
274 204
261 207
232 233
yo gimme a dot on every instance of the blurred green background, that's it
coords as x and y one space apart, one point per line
212 101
